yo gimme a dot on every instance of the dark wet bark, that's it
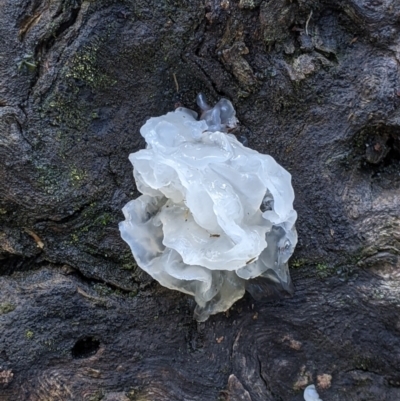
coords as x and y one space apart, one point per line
316 84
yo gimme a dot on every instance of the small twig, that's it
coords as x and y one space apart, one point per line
176 82
37 239
308 20
90 297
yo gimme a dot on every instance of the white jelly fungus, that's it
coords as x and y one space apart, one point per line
213 214
310 394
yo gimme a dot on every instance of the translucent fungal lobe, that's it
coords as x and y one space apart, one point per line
213 214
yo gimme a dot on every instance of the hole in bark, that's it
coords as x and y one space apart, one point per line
394 149
379 146
85 347
377 154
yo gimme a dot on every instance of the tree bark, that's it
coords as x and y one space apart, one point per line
315 83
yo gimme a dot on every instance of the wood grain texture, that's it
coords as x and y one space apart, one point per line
148 347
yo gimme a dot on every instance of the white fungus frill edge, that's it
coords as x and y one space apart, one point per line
213 214
310 394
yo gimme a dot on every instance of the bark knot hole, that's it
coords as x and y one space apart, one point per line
381 143
85 347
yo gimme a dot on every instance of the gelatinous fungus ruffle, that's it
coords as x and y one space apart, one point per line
213 214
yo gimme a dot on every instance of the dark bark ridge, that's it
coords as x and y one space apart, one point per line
316 84
65 339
